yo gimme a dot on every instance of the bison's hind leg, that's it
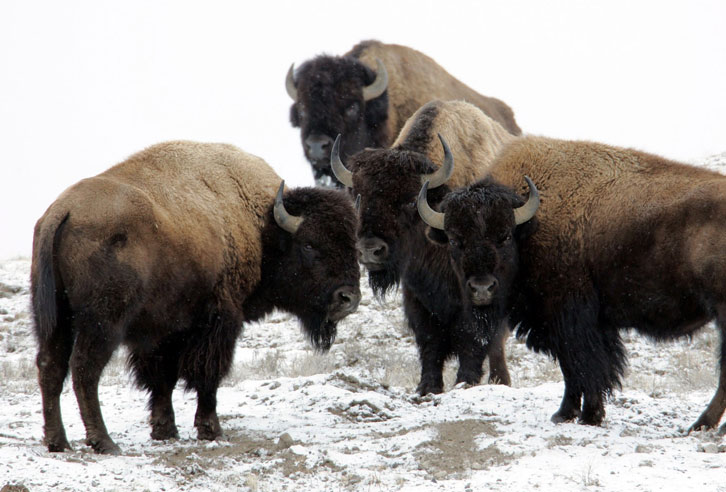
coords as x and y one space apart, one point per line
53 362
712 415
96 342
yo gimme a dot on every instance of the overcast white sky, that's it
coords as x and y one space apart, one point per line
84 84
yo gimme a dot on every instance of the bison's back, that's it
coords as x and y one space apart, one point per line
174 217
639 227
474 138
415 79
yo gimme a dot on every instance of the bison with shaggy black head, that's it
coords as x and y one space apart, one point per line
622 239
391 240
367 95
170 253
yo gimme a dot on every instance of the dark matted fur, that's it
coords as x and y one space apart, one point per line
330 100
623 239
388 182
170 253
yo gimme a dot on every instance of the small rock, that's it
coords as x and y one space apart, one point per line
643 448
709 447
252 482
285 441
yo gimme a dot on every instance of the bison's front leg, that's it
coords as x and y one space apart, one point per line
498 372
432 346
712 415
570 407
471 351
206 420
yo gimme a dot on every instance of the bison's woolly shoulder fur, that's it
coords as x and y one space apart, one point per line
594 193
408 68
183 206
473 137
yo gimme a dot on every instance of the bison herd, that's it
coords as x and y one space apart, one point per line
484 230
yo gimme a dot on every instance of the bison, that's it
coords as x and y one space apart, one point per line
170 253
391 240
367 95
622 239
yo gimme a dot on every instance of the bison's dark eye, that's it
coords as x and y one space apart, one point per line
455 243
351 111
505 239
309 247
301 113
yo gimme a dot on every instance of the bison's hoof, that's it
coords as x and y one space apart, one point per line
58 445
502 379
702 424
561 417
104 446
426 387
209 431
164 432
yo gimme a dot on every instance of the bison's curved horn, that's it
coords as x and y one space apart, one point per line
430 216
525 212
379 85
287 222
343 175
442 174
290 83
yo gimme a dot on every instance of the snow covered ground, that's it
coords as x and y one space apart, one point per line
348 420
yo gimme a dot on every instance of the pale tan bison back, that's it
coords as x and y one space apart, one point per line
181 207
474 138
408 68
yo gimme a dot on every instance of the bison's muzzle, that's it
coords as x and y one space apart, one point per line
345 301
482 289
373 252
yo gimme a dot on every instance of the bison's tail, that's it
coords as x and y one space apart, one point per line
45 283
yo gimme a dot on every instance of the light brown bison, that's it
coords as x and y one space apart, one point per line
391 240
169 253
622 239
367 95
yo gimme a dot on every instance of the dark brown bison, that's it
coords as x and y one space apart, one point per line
391 240
169 253
367 95
622 239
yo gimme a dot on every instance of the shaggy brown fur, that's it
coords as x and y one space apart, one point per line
393 245
169 253
624 239
330 99
415 79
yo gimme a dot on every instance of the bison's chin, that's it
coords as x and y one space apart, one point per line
382 280
487 319
320 330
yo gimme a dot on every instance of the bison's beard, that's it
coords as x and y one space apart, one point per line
486 321
319 330
383 280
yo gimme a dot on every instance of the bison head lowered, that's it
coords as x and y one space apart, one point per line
482 226
337 95
388 181
312 271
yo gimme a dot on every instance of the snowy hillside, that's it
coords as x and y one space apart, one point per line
349 420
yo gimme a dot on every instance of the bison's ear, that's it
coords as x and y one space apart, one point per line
294 116
437 236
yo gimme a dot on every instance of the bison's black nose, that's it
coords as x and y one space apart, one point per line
345 301
373 251
482 289
318 147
